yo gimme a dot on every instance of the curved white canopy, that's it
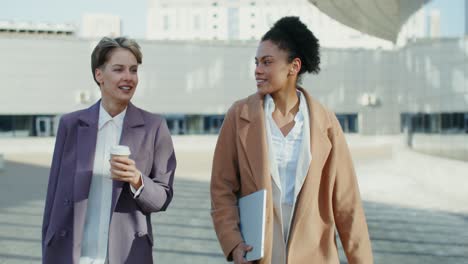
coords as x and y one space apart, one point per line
379 18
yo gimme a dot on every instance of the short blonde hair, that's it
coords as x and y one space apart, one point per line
105 47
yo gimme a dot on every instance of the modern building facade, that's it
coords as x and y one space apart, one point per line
40 28
97 25
246 20
190 81
419 88
434 24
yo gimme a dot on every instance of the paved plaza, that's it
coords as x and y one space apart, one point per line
410 220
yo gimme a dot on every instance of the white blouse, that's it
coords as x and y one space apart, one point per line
286 148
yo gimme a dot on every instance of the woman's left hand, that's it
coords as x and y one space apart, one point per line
123 169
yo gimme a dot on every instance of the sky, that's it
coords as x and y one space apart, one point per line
452 15
133 13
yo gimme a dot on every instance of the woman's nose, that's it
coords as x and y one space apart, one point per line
258 69
127 75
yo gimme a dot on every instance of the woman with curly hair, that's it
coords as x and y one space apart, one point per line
281 139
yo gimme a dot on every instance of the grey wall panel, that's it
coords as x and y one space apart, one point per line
46 76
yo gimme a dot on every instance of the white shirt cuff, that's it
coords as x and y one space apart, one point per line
136 193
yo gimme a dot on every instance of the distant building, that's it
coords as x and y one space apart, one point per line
246 20
466 17
414 28
99 25
40 28
434 24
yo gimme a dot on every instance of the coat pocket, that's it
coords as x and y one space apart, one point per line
143 235
150 239
49 237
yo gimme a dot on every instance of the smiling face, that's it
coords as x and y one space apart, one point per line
272 71
118 77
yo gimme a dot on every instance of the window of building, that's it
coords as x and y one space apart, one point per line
18 125
348 122
196 22
212 123
177 124
445 123
466 121
166 22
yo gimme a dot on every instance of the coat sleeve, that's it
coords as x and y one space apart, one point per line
225 186
347 205
158 191
53 177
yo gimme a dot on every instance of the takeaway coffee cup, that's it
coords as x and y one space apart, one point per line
119 151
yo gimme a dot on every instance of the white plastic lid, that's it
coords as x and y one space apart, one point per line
120 150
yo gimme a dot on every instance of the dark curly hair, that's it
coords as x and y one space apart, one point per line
292 36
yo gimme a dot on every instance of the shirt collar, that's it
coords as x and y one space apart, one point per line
104 117
302 107
270 106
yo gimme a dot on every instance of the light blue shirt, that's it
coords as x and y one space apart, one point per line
286 148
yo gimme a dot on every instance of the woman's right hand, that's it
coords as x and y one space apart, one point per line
238 254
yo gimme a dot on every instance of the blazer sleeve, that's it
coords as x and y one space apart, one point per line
158 191
347 205
53 176
225 186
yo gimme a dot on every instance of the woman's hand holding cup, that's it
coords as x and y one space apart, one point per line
123 168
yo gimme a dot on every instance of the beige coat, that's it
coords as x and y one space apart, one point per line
329 199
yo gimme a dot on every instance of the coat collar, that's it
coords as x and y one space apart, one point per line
252 111
90 116
133 118
320 147
252 135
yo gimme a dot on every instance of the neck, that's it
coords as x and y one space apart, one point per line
113 108
286 100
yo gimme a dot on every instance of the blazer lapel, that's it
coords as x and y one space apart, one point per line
132 133
320 149
305 157
86 147
253 139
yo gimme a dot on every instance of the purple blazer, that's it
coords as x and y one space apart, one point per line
130 232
